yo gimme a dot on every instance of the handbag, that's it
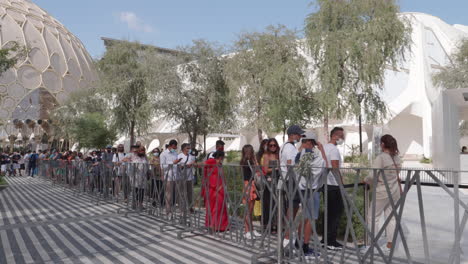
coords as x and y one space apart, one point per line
257 176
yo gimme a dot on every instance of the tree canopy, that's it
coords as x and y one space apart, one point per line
91 131
78 105
10 55
351 43
127 81
455 75
199 102
268 79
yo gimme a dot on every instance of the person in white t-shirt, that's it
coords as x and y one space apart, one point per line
169 160
310 169
335 201
186 164
288 155
119 169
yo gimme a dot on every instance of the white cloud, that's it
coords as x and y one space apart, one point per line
134 22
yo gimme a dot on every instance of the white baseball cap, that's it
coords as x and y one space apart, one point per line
309 135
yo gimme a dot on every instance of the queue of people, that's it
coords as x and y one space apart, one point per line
312 166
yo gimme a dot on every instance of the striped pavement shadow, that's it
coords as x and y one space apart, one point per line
40 223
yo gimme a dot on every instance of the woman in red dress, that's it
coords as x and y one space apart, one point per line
216 217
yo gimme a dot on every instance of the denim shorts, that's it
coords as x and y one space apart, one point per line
311 206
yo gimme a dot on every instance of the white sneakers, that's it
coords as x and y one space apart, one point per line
285 243
252 235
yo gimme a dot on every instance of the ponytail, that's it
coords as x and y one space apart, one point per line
391 144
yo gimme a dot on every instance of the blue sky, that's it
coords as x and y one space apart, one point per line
171 23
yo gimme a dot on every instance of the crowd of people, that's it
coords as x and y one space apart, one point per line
313 166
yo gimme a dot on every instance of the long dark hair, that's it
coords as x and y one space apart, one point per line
248 155
261 150
273 140
391 144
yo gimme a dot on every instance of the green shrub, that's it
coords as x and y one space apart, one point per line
425 160
233 157
2 180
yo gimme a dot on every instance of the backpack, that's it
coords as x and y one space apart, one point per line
33 158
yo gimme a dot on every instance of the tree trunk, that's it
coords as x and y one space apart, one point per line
284 132
193 141
325 127
260 135
132 133
204 143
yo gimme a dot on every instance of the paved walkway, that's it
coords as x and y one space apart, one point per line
40 223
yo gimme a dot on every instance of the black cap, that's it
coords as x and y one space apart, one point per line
220 143
295 130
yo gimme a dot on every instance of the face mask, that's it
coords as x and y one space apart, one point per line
295 141
173 151
340 141
156 154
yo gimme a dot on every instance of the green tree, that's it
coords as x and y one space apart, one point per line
91 131
199 100
127 72
10 55
455 75
268 79
351 42
80 103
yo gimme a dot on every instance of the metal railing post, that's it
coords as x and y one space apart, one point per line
280 220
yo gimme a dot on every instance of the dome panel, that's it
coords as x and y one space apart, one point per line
33 37
8 103
2 11
11 31
36 12
54 51
74 69
18 4
39 59
4 114
81 59
16 91
29 77
18 17
52 81
58 64
51 41
70 84
67 49
61 97
37 23
8 77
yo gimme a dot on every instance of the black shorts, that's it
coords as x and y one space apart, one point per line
22 167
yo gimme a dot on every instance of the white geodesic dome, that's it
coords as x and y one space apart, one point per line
56 65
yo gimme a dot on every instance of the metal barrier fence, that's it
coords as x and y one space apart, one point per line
298 207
